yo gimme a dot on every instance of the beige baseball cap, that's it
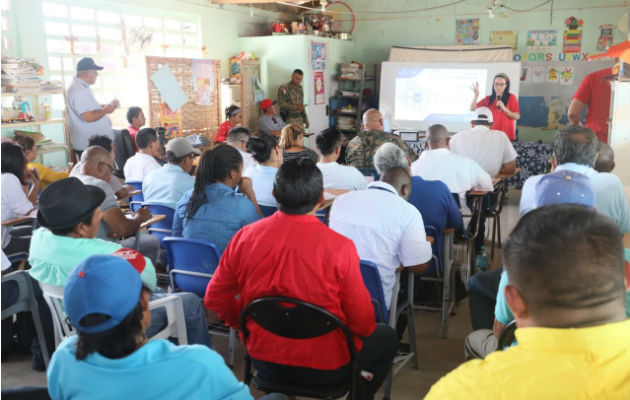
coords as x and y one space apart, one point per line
181 147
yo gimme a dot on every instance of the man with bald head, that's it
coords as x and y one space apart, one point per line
96 169
361 149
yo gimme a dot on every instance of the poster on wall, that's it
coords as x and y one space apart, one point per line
526 74
605 37
552 74
566 75
539 74
318 85
467 31
203 81
541 40
318 56
171 120
170 90
572 36
503 37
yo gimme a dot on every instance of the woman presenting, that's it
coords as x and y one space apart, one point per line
504 106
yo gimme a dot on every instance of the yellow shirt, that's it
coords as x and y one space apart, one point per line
46 175
583 363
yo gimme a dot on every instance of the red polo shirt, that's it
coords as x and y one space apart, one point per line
501 122
133 132
222 133
595 93
294 256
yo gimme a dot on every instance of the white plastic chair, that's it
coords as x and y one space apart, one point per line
54 298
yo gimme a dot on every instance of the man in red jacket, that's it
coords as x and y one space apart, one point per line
293 254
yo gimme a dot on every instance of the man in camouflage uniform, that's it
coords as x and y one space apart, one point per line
291 101
361 149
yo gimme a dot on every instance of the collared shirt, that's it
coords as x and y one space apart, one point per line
361 149
290 96
81 100
218 219
267 123
108 203
138 167
548 363
489 148
248 160
386 229
610 196
337 176
294 256
460 174
166 185
595 94
14 203
53 257
262 181
133 132
177 372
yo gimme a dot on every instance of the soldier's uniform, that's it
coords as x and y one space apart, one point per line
361 149
289 98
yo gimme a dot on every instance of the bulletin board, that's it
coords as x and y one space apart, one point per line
201 114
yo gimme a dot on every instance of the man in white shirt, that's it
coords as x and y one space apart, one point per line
143 162
460 174
86 116
237 138
489 148
384 227
336 176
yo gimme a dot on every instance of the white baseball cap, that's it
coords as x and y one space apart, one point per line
181 147
483 114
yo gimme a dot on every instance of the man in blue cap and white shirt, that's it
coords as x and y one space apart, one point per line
86 116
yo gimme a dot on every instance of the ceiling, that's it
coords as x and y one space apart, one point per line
273 6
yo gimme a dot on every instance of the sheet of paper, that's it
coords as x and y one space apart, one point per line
169 88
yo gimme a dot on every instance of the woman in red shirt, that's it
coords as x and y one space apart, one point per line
233 117
504 106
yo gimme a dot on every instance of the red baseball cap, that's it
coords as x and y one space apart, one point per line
265 104
134 257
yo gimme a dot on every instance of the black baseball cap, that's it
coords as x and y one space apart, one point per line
65 202
86 64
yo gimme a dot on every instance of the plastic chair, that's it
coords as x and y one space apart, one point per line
495 214
191 264
299 320
163 228
267 210
123 149
26 302
507 336
372 281
370 172
136 200
25 393
54 298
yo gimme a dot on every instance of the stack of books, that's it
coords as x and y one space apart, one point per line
24 75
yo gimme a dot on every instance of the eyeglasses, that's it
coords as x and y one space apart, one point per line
500 84
110 167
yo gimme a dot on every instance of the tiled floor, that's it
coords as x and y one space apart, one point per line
437 356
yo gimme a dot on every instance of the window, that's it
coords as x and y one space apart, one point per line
7 43
118 41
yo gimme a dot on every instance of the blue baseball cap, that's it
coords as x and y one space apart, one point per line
101 284
564 187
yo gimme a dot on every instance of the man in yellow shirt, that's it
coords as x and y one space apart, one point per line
567 294
46 175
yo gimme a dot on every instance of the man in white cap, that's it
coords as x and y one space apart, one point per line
168 184
86 116
490 148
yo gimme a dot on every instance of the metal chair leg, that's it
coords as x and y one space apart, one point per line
387 386
231 345
411 323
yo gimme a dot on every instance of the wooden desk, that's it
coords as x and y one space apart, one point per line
17 220
154 220
505 176
336 192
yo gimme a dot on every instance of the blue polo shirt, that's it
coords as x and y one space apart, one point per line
166 185
218 219
436 204
157 370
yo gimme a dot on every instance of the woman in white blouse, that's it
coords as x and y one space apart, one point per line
18 198
266 151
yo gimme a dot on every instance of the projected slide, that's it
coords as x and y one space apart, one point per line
436 95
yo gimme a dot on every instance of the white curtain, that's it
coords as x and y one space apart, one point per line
458 53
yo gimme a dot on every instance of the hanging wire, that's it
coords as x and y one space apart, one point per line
378 12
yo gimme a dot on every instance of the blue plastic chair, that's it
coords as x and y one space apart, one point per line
163 228
372 281
267 210
136 200
191 263
370 172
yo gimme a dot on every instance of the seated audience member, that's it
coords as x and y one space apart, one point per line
605 159
167 185
254 265
70 216
567 293
336 176
96 170
237 138
17 198
384 227
136 120
361 149
212 210
560 187
268 154
139 165
45 175
432 198
233 118
459 173
111 356
292 144
270 122
575 149
489 148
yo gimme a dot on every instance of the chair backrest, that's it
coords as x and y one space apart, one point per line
161 209
370 172
507 336
138 186
372 281
267 210
176 319
54 298
191 263
436 247
123 149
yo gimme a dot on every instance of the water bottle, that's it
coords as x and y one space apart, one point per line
482 263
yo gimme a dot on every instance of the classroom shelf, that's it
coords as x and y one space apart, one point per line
33 123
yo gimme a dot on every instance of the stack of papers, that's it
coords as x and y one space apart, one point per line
23 75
